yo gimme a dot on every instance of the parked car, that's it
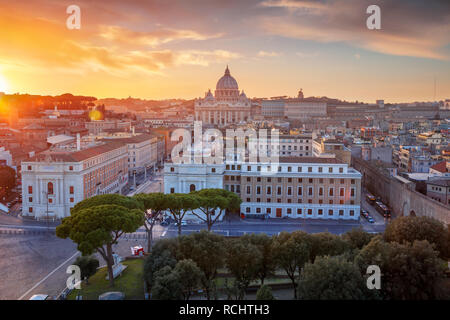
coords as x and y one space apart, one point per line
183 223
40 297
165 223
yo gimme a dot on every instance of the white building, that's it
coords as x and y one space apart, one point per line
227 106
293 109
53 182
313 188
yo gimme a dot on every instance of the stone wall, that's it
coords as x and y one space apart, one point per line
401 198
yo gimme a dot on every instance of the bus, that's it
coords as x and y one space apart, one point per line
370 199
383 209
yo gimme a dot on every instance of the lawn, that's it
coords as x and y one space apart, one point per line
130 283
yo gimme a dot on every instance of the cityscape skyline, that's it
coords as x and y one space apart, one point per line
151 50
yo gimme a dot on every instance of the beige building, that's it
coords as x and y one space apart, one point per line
53 182
227 106
316 188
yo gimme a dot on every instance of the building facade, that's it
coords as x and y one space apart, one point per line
53 183
316 188
227 106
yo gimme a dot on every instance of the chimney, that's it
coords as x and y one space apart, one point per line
78 142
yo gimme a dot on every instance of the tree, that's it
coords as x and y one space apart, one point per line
88 266
264 293
117 199
206 249
179 205
167 285
409 271
241 259
331 278
410 228
357 238
98 227
189 276
292 251
211 200
326 244
154 205
154 262
266 263
7 178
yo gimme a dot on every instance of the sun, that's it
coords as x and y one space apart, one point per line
3 84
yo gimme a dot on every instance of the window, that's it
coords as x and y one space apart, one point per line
320 191
331 180
300 191
30 209
29 168
289 180
309 211
71 190
192 188
341 192
330 212
300 180
258 210
50 188
299 169
247 209
320 212
268 210
213 169
330 169
71 168
30 189
341 212
299 211
172 190
279 190
320 169
71 200
331 192
289 191
352 192
50 200
352 181
258 179
352 213
289 211
309 169
249 179
310 191
269 190
249 168
289 169
30 199
249 189
258 189
310 180
341 170
172 169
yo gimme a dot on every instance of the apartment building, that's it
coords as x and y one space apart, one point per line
295 145
53 182
308 187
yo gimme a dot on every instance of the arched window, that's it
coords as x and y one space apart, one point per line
50 188
192 187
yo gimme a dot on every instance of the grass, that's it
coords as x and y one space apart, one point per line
130 283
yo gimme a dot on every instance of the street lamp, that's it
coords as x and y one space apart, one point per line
46 195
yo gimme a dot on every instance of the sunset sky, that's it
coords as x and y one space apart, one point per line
179 49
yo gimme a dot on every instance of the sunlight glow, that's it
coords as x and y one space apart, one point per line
3 84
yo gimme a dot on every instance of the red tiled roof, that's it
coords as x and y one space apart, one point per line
441 167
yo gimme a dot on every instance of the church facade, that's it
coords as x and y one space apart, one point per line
227 106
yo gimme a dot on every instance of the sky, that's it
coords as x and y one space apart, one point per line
180 48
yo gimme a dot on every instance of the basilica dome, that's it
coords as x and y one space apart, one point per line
227 82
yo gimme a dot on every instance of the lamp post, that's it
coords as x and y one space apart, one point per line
46 196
